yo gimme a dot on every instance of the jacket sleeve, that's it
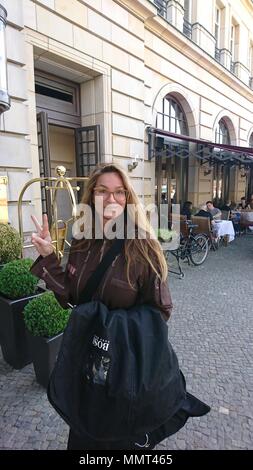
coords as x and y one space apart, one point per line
156 293
49 270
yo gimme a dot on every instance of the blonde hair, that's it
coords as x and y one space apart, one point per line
146 250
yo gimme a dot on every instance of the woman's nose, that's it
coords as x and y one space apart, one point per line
111 198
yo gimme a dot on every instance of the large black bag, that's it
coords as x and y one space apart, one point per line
117 376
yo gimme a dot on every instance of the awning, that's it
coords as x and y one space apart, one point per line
176 145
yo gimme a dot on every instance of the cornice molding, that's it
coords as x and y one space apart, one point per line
154 23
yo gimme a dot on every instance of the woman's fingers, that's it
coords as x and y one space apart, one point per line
36 223
40 240
45 223
43 231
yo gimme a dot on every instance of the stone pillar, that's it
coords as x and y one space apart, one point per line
242 72
202 25
203 38
175 13
225 54
225 58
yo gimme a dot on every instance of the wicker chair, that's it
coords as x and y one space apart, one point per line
204 226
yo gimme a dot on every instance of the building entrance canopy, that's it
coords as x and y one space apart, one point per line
167 144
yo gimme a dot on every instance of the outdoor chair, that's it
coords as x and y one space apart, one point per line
246 219
204 226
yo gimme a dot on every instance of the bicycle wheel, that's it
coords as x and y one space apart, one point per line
198 249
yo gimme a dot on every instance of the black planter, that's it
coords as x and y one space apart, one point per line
13 339
44 353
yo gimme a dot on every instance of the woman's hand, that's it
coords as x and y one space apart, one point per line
42 239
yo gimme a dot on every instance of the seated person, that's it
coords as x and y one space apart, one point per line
250 202
203 212
187 209
216 213
226 206
243 204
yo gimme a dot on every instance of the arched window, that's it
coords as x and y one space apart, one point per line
251 140
221 172
171 117
222 133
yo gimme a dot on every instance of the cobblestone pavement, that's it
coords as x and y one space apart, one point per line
211 331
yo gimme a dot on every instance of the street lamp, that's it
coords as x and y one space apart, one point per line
4 97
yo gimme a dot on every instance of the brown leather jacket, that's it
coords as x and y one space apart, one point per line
114 290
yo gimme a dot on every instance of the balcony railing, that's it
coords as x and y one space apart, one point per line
187 28
232 67
217 54
161 7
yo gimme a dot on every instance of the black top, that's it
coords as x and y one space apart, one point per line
186 212
203 213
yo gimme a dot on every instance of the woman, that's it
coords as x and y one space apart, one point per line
187 209
137 275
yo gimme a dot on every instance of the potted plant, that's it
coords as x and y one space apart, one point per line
10 244
45 322
169 239
17 286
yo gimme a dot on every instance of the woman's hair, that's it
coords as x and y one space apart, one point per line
137 250
187 205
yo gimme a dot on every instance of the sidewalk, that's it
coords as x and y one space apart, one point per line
211 330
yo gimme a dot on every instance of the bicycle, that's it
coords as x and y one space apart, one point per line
193 248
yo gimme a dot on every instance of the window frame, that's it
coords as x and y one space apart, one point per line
172 106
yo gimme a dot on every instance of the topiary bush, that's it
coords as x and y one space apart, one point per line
16 280
44 316
10 243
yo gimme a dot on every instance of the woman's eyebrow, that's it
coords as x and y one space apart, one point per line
117 187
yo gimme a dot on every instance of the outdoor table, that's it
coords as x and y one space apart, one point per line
225 227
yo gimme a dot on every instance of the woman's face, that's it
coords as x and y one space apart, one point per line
110 189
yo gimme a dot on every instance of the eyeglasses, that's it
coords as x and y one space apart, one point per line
118 194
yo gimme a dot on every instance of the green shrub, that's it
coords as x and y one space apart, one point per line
164 234
16 280
10 243
44 316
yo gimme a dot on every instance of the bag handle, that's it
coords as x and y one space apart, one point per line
96 277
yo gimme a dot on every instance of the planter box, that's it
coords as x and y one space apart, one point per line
44 352
13 339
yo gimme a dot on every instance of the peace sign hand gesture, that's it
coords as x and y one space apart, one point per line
42 239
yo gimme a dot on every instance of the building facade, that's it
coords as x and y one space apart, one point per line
99 80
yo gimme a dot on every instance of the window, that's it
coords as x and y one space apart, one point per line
251 58
187 26
59 98
187 10
161 7
171 117
251 140
222 133
251 65
232 41
217 26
